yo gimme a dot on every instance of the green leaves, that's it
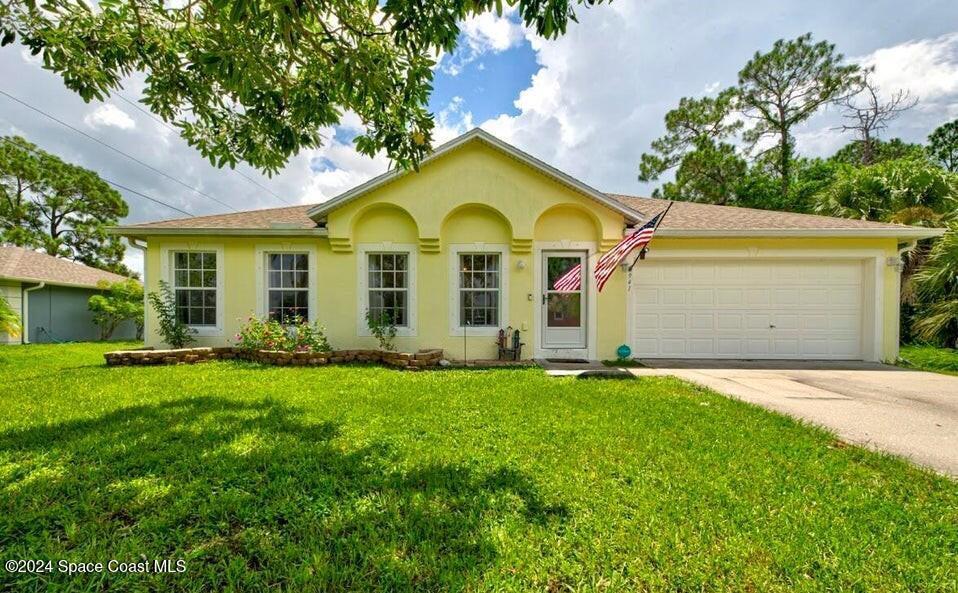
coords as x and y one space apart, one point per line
943 145
776 91
59 207
116 303
216 69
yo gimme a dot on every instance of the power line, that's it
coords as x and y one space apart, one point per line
136 105
114 149
113 183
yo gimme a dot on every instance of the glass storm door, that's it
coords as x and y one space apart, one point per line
563 309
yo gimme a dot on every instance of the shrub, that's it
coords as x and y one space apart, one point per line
9 320
296 335
383 328
117 302
174 332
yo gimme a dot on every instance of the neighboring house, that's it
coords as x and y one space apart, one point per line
50 294
472 242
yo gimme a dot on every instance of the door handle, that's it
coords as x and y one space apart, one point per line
771 326
543 298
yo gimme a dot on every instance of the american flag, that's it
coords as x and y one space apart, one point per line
572 279
640 238
569 281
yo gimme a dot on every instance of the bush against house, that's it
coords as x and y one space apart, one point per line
174 332
116 303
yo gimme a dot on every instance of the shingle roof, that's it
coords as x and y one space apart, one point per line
711 217
286 217
684 216
25 264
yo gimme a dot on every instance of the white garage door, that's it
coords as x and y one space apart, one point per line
747 309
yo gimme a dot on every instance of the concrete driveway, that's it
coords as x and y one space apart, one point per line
909 413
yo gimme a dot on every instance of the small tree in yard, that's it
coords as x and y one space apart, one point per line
383 327
174 332
118 302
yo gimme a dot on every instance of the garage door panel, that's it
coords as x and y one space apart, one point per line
673 296
757 321
729 297
729 321
813 297
646 296
702 321
748 309
672 321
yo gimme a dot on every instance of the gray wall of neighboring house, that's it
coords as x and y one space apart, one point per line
60 314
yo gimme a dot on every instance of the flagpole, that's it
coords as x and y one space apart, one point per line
655 228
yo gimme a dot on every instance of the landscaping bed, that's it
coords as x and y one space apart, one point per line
412 360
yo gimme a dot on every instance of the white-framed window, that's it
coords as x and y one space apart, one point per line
194 272
194 287
287 286
286 280
386 285
478 288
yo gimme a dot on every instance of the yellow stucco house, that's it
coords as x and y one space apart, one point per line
473 241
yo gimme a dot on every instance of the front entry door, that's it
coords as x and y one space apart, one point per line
564 310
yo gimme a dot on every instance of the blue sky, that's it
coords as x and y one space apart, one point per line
588 102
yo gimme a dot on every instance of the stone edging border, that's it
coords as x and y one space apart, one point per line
408 360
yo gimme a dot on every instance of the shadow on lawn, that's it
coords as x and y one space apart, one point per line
252 497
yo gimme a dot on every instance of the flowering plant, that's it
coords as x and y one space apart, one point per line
296 335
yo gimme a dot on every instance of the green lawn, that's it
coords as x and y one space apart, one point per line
352 478
929 358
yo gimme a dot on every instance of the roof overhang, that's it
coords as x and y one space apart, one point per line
134 231
321 210
52 282
899 233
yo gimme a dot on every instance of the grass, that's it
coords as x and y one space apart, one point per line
929 358
368 479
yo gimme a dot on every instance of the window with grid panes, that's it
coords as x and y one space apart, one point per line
388 284
194 285
287 292
479 284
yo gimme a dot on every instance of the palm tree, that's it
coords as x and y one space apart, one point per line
936 284
9 321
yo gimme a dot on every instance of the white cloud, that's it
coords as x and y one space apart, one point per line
452 121
483 34
491 32
926 67
109 115
602 90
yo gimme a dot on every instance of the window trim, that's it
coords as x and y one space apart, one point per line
457 249
167 253
263 250
410 250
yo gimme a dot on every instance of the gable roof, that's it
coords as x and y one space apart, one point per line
478 135
26 265
685 219
697 219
